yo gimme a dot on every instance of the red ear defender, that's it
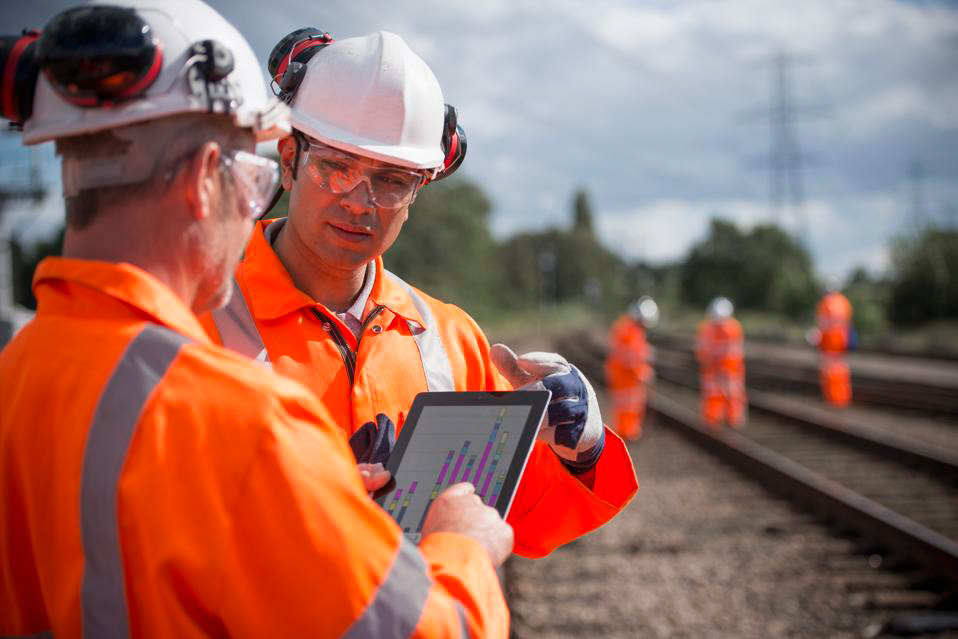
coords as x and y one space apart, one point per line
18 81
453 144
287 61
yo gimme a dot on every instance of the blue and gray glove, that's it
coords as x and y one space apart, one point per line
373 442
573 425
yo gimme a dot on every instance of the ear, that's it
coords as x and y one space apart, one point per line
203 180
287 156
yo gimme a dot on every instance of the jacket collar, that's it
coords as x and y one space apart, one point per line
127 283
275 294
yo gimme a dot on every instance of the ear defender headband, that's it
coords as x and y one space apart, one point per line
287 68
100 56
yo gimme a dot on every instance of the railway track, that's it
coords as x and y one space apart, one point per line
924 390
898 499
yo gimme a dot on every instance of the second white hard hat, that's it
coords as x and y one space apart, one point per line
720 308
374 97
645 311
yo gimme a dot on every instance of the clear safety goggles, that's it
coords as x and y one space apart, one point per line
256 179
339 172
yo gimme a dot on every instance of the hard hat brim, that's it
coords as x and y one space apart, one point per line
405 156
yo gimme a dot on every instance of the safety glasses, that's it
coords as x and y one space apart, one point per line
256 179
338 172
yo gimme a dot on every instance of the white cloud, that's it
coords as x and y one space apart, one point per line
644 103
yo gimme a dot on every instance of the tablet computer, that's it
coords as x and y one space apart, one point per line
484 438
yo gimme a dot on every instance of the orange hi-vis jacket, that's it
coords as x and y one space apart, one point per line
410 343
153 484
628 359
834 317
720 348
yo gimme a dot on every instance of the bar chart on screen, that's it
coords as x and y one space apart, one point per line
450 446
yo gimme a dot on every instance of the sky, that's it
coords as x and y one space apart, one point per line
661 110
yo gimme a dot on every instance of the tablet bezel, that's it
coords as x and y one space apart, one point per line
537 401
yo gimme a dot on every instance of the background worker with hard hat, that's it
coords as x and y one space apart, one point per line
316 303
152 483
835 335
628 366
721 354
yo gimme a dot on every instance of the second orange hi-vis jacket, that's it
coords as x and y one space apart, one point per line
834 315
153 484
628 360
720 348
410 343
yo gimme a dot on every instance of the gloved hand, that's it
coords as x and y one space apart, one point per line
574 427
373 441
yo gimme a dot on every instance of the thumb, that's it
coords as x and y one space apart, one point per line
508 364
540 365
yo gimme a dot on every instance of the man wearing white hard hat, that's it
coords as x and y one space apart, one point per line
628 366
151 482
720 350
316 302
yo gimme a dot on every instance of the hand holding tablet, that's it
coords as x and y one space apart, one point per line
483 438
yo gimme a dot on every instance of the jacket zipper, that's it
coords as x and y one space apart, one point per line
348 355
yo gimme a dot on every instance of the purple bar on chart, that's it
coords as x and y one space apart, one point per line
465 473
455 470
392 504
445 467
405 502
435 489
495 462
492 440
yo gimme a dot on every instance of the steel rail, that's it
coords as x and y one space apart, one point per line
897 449
869 519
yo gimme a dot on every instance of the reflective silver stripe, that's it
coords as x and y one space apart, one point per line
435 362
46 634
144 363
238 330
463 622
398 603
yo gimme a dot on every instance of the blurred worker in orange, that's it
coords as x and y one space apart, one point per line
152 483
315 302
835 335
721 354
628 366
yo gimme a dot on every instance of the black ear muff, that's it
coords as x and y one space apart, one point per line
453 144
99 55
20 70
287 61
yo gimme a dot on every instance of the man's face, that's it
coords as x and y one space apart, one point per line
343 231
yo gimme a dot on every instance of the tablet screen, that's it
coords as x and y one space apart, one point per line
481 438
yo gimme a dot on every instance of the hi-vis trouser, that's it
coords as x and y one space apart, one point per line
627 390
628 405
836 379
723 400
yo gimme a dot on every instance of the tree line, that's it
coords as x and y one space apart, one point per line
447 248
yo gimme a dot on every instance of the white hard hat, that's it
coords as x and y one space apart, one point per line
720 308
179 28
645 311
374 97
